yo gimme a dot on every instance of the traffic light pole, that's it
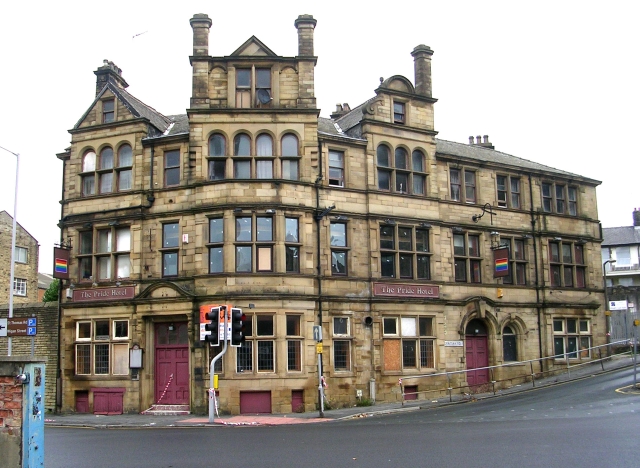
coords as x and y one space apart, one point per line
212 373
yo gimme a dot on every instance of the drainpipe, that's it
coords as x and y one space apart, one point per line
318 218
537 273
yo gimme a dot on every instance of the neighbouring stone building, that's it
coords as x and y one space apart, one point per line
364 223
621 265
25 277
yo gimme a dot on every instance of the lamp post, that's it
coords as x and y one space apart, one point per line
13 244
607 312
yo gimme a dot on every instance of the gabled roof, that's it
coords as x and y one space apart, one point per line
253 46
625 235
134 105
19 227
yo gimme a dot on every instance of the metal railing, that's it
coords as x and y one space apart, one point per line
573 360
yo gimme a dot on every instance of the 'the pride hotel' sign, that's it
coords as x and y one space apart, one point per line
405 290
103 294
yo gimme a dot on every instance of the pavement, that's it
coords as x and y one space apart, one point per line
157 421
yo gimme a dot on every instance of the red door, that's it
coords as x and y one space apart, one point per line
255 402
477 356
172 364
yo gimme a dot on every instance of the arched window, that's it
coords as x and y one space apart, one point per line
418 165
384 175
106 170
89 161
289 145
264 148
264 145
217 145
402 176
217 150
509 348
242 147
125 161
290 167
89 180
106 158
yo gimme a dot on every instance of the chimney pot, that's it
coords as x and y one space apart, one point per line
471 140
478 140
636 217
486 138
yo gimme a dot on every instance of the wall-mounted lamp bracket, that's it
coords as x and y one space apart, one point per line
487 208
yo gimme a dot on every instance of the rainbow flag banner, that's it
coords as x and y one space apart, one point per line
61 265
502 264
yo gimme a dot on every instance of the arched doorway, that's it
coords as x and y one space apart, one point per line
477 353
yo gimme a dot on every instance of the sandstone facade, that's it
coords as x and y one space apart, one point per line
364 224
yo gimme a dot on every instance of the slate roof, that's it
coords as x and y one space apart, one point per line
44 280
328 127
625 235
482 154
350 121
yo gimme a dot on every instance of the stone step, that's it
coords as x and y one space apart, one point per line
167 410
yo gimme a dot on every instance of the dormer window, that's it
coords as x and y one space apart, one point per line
399 115
108 111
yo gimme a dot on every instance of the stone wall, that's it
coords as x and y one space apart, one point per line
45 343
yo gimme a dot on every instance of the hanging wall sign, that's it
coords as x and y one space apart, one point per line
60 263
501 262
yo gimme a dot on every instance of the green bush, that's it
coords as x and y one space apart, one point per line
364 402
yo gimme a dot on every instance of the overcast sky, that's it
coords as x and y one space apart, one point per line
554 82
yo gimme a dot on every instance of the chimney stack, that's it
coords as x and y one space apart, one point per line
481 141
422 68
109 71
305 24
200 23
636 217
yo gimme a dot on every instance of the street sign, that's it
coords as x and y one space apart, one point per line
454 343
317 332
319 348
21 327
617 305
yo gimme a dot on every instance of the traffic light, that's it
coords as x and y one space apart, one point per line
237 328
213 326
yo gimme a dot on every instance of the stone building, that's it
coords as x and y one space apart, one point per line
621 267
25 277
363 223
